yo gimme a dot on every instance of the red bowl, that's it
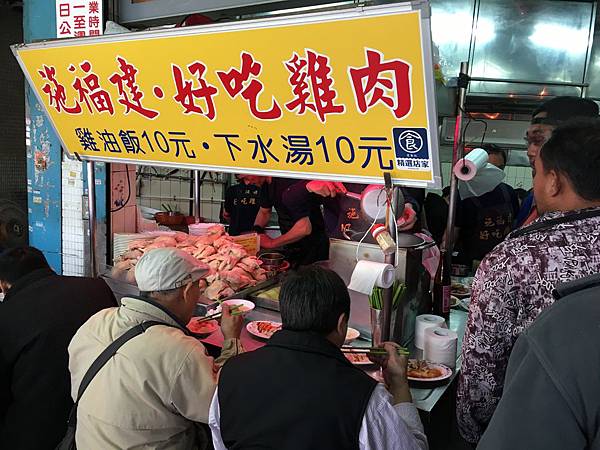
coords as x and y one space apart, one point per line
169 218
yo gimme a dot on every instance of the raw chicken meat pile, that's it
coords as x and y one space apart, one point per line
231 268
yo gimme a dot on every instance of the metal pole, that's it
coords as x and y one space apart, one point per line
91 178
528 82
398 207
197 193
457 154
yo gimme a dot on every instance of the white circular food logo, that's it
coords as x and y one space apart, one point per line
410 141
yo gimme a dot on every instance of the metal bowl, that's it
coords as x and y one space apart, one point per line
274 260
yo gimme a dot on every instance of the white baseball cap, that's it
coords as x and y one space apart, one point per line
163 269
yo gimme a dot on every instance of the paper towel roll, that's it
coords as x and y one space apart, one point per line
423 322
467 167
486 180
440 346
368 274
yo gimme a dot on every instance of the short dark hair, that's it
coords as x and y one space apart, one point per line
312 299
563 108
574 151
493 149
17 262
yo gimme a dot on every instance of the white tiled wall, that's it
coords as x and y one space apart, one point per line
174 192
519 177
73 241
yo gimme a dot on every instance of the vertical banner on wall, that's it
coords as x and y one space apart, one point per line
78 18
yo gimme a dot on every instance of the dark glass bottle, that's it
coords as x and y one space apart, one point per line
441 289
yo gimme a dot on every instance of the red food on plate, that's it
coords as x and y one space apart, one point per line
358 358
205 327
267 328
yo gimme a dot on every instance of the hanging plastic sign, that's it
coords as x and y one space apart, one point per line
343 96
78 18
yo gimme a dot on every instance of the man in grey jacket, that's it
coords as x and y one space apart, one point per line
158 386
551 397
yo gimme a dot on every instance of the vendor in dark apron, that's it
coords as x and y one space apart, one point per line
303 239
344 218
484 222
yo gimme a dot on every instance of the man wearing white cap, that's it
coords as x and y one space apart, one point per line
159 384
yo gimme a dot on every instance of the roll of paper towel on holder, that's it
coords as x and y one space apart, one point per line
440 346
368 274
467 167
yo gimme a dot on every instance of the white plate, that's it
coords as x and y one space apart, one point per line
252 328
358 359
466 293
446 373
351 334
247 305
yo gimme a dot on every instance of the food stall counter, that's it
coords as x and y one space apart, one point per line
424 396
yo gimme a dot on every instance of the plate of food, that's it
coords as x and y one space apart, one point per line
263 329
243 306
460 290
202 328
454 301
419 370
358 359
351 335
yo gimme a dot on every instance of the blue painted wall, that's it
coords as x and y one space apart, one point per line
44 153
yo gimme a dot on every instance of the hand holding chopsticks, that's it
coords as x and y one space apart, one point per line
233 310
375 351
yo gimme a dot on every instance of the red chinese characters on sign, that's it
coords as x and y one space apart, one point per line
89 90
64 25
56 92
382 81
311 77
130 94
78 18
187 93
245 81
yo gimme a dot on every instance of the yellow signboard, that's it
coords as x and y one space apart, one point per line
343 96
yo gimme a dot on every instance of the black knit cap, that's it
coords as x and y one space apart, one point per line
560 109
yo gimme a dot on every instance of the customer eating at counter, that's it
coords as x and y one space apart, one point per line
157 388
300 219
40 314
316 398
514 282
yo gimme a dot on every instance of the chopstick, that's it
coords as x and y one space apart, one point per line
233 311
372 350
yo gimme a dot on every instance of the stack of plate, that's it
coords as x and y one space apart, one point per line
121 241
200 229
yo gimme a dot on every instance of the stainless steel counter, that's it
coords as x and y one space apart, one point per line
425 398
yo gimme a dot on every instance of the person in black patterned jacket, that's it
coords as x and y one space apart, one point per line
514 283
